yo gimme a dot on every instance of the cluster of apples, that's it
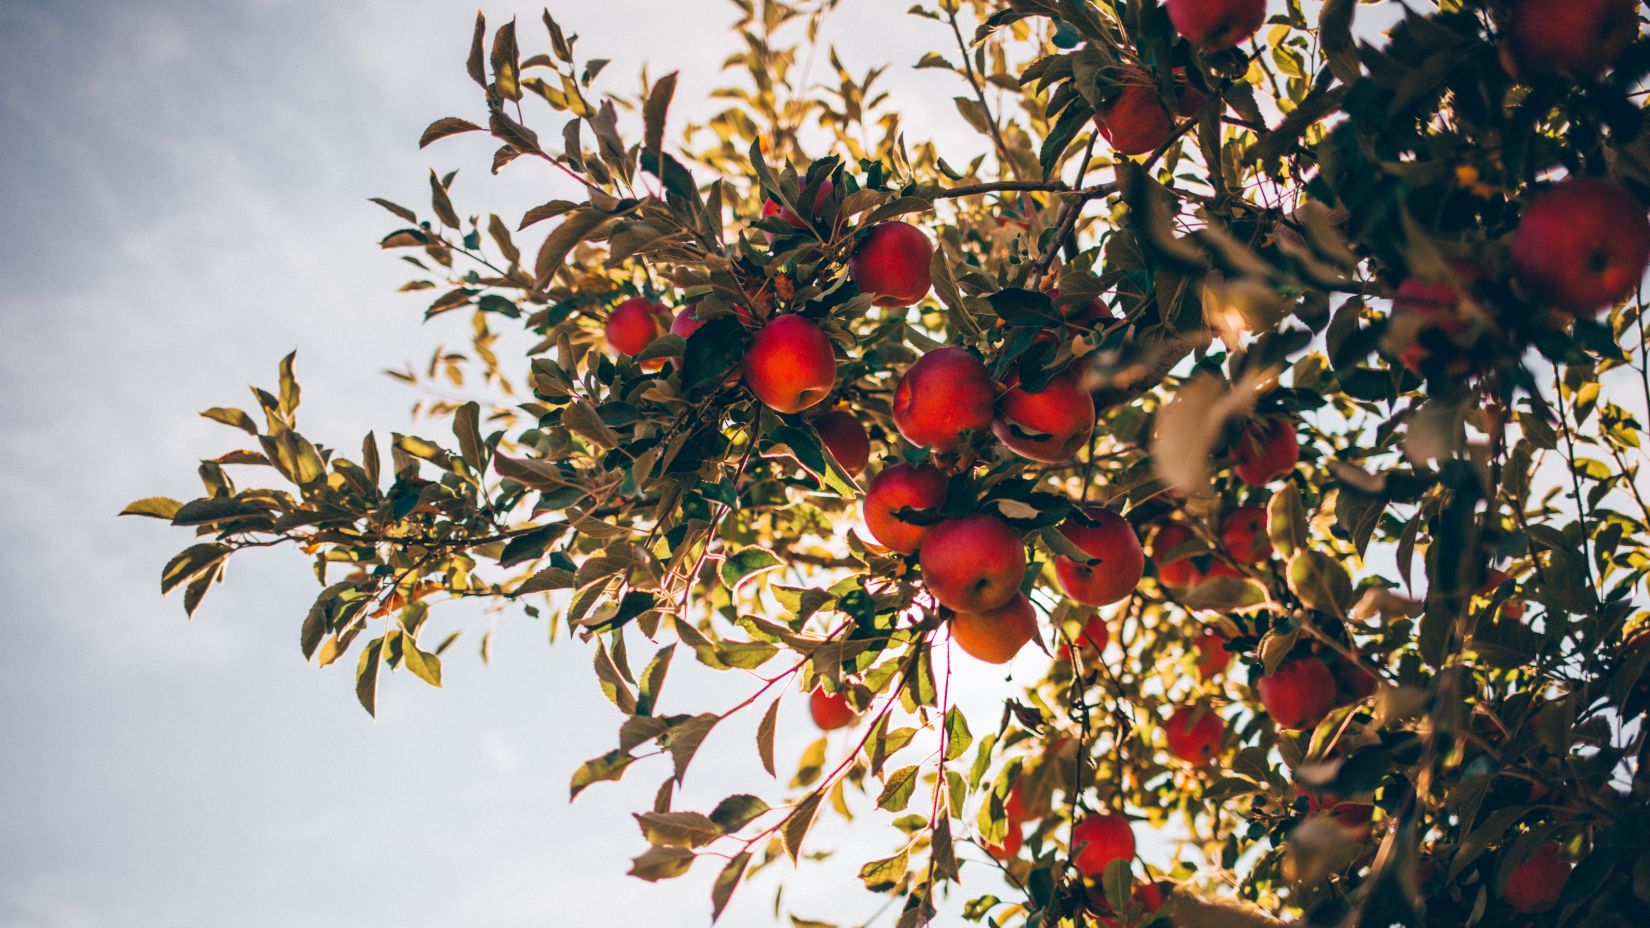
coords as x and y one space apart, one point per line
1137 119
1582 243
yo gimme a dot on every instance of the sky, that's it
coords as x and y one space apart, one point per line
185 186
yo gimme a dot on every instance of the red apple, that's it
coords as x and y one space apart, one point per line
1047 425
1100 838
996 635
634 324
830 710
1244 535
1080 315
945 393
1109 539
1194 733
790 365
1580 37
686 322
1092 638
1146 898
892 263
1422 305
973 563
1216 25
845 438
1267 451
1188 99
1135 121
1180 572
1537 882
1300 694
1582 244
899 487
1212 656
771 207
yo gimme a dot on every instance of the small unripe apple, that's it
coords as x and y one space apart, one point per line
845 438
1048 425
901 487
1582 244
892 263
1216 25
634 324
1537 882
1212 657
830 710
1135 121
1244 535
771 207
996 635
1100 838
945 393
973 563
790 365
1299 694
1110 539
1267 451
1194 733
1579 37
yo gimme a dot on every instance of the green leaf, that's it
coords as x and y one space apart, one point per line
440 129
229 415
764 737
467 428
897 789
366 675
726 882
653 111
155 507
608 767
801 819
1320 581
735 812
882 875
423 664
678 829
190 563
662 863
744 564
958 737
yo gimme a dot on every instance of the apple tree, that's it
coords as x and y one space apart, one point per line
1266 386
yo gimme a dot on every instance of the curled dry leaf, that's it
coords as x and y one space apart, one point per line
1190 425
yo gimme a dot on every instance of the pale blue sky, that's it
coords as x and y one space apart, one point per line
185 186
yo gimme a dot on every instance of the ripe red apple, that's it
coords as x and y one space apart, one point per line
1188 99
1582 244
1092 638
1422 305
1244 535
1080 315
1135 121
1216 25
1580 37
996 635
1267 451
634 324
1537 882
973 563
830 710
845 438
899 487
1181 572
1047 425
892 263
1212 656
771 207
686 322
1299 694
1110 539
1194 733
790 365
945 393
1100 838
